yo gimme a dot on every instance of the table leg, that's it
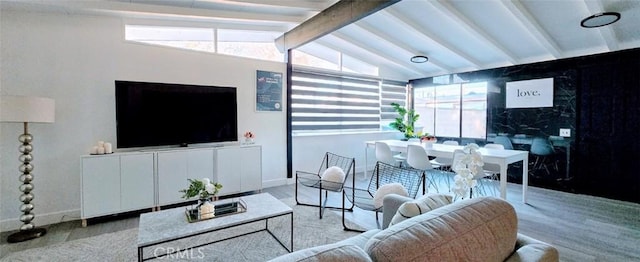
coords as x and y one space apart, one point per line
525 178
292 231
568 153
503 180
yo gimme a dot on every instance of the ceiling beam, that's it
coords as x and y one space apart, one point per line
331 19
606 32
427 36
473 29
533 27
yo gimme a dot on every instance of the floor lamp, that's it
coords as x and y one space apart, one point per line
23 109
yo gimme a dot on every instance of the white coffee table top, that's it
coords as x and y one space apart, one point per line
170 224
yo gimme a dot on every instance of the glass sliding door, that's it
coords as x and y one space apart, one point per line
454 110
474 110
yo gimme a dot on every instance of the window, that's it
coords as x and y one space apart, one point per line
317 56
244 43
251 44
474 110
323 102
454 110
201 39
302 58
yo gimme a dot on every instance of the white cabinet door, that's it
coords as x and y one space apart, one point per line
136 181
227 170
200 164
172 177
251 168
100 185
174 168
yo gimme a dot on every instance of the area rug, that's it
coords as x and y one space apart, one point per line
308 231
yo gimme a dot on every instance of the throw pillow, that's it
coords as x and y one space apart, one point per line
392 188
419 206
333 174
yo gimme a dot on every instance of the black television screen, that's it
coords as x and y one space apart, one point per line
160 114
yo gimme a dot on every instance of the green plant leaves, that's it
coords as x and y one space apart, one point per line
406 127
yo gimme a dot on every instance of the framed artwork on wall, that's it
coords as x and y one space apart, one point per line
268 91
530 93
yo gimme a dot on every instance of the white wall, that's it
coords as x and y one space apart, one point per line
309 150
75 60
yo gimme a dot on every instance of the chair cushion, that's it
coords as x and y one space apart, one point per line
330 252
477 229
392 188
420 206
333 174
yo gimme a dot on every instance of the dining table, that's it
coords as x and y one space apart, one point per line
501 157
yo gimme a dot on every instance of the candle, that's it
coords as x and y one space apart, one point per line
207 210
100 143
100 150
108 149
94 150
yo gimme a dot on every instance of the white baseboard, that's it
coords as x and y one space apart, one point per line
275 182
41 219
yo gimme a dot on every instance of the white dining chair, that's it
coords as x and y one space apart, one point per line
450 142
493 169
385 155
444 163
417 158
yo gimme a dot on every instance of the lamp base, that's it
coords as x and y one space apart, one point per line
25 235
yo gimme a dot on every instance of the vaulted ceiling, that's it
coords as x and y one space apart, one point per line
456 35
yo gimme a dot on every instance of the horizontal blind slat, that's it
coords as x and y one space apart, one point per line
320 101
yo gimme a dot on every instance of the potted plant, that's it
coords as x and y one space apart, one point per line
405 122
204 189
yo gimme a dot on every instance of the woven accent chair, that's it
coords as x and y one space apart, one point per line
410 178
314 180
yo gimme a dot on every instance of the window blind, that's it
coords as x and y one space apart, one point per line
330 102
392 91
323 101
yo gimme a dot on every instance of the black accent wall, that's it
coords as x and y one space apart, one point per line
598 98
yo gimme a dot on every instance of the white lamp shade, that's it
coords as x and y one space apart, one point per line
27 109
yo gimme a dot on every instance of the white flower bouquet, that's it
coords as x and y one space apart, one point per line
466 168
202 188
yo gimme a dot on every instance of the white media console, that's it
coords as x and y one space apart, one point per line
129 181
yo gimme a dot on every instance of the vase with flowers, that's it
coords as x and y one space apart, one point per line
205 190
248 137
427 140
467 166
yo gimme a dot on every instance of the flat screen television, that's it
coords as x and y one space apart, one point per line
162 114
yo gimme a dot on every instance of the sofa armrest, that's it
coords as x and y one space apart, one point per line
529 249
390 205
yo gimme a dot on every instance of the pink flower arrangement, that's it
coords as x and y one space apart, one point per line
428 138
249 135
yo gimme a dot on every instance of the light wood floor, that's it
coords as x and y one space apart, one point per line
583 228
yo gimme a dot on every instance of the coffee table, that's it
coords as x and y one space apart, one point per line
170 225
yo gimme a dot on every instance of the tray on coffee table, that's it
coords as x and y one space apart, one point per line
222 208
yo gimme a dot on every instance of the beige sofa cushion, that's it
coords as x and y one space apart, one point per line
330 252
420 206
478 229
